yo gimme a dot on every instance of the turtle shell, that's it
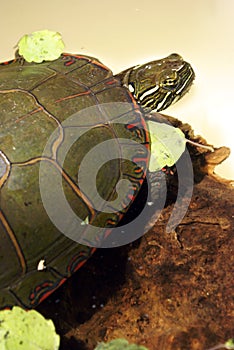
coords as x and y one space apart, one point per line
52 115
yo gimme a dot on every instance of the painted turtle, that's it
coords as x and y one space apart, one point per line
36 101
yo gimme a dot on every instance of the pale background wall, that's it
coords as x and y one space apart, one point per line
126 32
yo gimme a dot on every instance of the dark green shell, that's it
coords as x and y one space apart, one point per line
37 101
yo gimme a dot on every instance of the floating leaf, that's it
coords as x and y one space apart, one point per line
167 145
44 45
26 330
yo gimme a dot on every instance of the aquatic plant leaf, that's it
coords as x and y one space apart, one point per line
44 45
167 145
26 330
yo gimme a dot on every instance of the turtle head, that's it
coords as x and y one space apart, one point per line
158 84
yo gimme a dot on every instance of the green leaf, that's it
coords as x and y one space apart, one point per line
26 330
229 344
119 344
44 45
167 145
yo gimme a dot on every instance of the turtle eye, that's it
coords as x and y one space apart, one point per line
170 81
